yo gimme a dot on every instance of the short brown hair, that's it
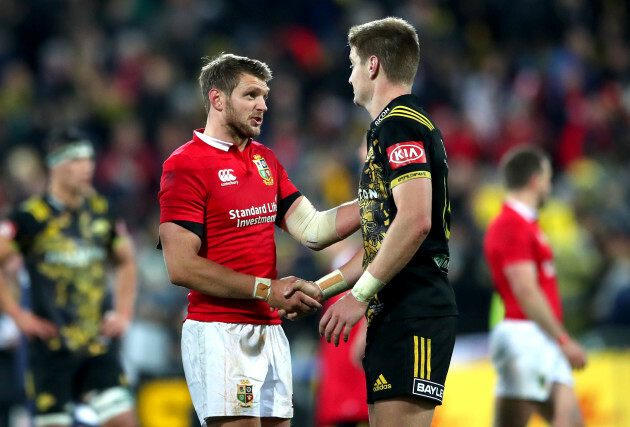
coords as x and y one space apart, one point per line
394 42
224 71
521 163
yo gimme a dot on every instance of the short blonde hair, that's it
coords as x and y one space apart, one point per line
394 42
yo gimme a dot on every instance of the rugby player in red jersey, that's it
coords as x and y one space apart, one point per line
531 351
221 195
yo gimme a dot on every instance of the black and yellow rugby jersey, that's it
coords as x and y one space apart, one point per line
403 143
65 253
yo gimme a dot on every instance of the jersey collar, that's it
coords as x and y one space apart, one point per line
399 100
213 142
526 211
55 202
60 206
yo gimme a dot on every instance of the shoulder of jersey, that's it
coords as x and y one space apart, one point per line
98 204
188 155
405 113
37 207
264 150
507 221
261 147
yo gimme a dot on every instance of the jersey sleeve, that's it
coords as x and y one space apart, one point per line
515 244
119 232
183 193
404 150
102 210
20 227
287 192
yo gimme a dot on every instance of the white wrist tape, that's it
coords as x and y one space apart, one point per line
332 284
313 229
262 288
366 287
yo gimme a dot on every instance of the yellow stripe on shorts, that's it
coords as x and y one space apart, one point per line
415 356
421 357
428 358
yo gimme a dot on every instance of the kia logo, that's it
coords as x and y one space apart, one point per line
225 175
406 153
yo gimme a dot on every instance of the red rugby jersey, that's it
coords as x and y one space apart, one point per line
234 195
511 238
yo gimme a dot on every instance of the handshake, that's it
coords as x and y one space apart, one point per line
294 297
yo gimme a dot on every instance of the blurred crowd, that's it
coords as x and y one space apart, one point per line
493 74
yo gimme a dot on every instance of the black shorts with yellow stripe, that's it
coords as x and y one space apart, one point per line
409 357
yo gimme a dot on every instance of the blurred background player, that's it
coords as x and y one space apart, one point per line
532 352
222 195
66 237
12 396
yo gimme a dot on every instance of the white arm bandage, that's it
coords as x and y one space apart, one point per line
315 230
332 284
366 287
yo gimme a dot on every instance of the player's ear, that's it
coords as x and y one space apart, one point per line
374 65
217 100
534 180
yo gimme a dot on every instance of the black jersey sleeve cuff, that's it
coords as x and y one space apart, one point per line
284 205
195 227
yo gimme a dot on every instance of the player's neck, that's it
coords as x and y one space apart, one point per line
526 197
221 131
384 93
70 199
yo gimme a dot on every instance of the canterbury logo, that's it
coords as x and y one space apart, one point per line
225 175
381 384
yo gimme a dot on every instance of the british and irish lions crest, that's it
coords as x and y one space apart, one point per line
245 394
263 169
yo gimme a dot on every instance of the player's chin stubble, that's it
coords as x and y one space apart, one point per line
243 130
240 129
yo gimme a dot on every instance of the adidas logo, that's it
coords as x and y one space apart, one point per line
381 384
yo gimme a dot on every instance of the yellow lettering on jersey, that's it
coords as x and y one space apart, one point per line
408 176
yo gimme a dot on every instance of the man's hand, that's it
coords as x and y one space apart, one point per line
574 353
309 288
341 316
33 326
114 324
291 295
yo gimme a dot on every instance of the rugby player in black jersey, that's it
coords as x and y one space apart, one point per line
401 274
66 238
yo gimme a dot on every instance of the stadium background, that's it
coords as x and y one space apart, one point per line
493 74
